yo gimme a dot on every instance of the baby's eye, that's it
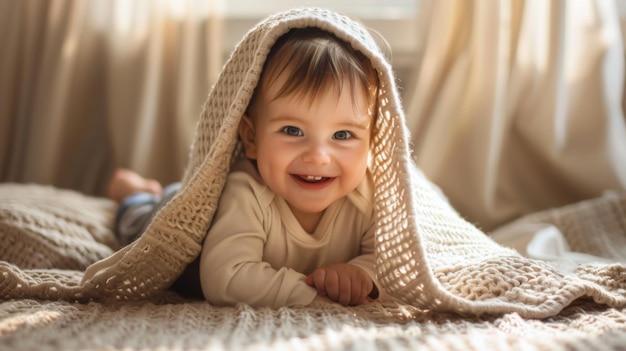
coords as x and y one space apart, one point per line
291 130
342 135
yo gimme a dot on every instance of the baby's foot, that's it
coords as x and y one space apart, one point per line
125 182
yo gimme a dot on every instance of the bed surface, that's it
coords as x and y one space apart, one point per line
71 231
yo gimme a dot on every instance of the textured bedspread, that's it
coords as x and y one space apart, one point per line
72 230
189 325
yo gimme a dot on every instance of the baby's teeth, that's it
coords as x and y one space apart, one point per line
313 178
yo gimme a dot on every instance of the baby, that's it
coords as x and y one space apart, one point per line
295 219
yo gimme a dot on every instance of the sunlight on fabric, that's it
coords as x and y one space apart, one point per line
32 319
123 13
129 20
177 8
197 9
364 9
579 15
129 15
180 9
534 36
584 20
574 46
59 19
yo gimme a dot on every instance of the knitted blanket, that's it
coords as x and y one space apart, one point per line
43 227
428 257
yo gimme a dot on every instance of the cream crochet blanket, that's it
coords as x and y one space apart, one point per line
43 227
428 256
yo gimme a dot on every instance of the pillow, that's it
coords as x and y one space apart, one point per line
46 227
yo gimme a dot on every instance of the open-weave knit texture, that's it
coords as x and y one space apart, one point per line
428 256
165 321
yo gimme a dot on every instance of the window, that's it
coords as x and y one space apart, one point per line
394 19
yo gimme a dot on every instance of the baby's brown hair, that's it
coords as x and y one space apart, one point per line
316 61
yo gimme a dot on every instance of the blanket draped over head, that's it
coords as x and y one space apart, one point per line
427 255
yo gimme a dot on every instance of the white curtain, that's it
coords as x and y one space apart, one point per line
90 85
517 106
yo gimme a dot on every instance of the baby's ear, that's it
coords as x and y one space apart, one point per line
247 135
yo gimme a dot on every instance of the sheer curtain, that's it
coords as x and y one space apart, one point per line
90 85
518 104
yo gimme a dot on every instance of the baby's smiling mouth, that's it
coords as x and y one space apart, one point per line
311 178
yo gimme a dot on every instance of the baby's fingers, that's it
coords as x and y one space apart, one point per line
318 281
358 293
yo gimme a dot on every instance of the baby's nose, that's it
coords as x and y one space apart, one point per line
316 153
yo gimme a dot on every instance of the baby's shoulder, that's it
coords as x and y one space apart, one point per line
244 180
363 196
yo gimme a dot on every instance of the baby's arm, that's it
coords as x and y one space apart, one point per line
232 265
344 283
232 271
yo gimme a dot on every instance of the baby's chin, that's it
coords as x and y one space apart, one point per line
309 208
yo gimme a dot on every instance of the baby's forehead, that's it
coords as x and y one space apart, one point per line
287 84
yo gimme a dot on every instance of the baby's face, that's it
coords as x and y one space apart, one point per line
311 152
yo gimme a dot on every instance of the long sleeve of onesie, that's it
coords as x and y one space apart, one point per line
257 253
232 268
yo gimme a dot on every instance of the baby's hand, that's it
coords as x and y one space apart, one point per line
344 283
